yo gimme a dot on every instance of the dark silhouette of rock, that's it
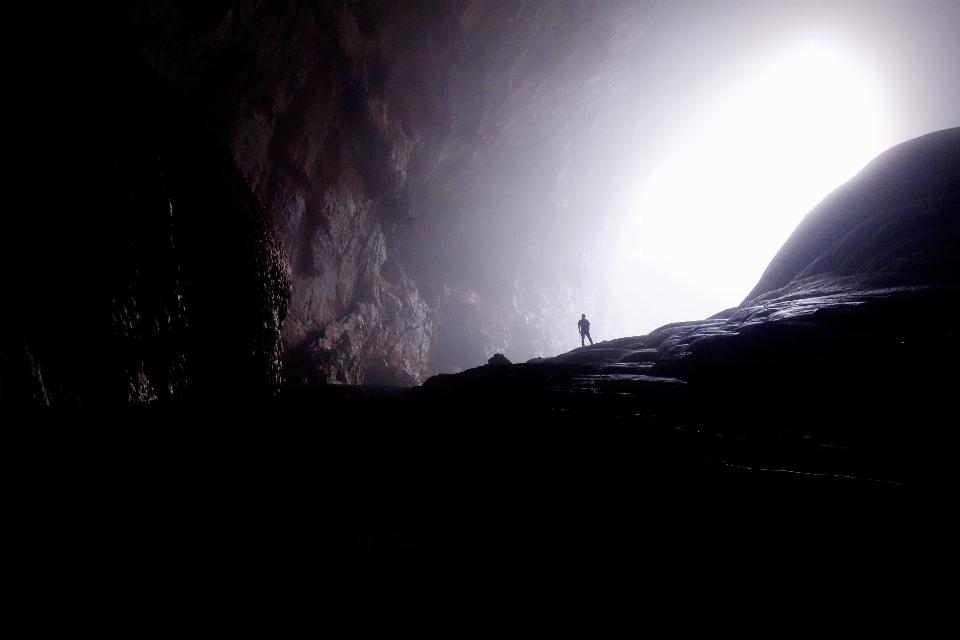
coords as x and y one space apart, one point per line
895 222
841 337
866 279
498 359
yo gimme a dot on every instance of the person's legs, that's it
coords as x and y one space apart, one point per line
589 338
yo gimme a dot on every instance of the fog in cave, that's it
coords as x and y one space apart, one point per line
701 137
775 105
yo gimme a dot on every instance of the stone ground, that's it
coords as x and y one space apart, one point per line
540 491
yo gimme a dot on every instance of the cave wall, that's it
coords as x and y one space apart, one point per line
143 268
397 143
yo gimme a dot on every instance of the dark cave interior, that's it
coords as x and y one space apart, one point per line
248 305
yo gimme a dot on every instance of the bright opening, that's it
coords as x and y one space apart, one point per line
709 220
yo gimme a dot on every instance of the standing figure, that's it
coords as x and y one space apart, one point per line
584 326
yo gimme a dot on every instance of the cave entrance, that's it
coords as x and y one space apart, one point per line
698 234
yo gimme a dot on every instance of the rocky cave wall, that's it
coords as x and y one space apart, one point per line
143 269
396 143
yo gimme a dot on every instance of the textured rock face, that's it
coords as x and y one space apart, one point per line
147 271
395 143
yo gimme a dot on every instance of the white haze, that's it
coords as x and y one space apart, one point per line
701 229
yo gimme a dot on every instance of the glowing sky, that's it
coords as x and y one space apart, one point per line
704 226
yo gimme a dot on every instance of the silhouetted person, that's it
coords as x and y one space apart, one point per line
584 325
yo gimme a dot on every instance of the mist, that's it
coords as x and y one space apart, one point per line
459 179
770 106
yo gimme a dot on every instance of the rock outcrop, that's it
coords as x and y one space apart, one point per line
897 220
847 337
869 274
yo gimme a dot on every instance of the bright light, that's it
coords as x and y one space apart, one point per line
710 219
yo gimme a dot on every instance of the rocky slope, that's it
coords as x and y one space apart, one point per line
844 338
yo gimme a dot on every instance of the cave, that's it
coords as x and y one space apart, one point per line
299 281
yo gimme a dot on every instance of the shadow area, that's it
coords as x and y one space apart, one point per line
499 482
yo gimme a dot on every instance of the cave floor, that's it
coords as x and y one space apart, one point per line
582 472
516 483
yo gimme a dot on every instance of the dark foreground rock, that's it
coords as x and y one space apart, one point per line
389 506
